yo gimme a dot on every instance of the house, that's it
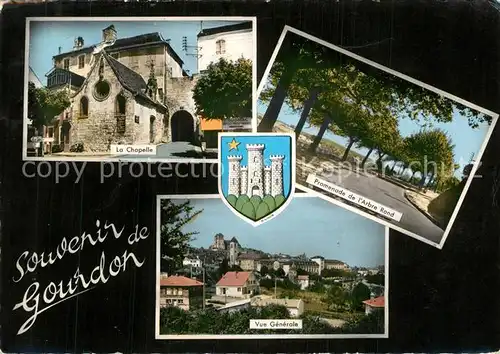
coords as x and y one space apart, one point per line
335 264
230 42
129 90
294 265
294 306
192 262
374 304
303 281
248 261
181 292
237 284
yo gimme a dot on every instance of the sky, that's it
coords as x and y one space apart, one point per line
467 140
309 224
275 145
47 36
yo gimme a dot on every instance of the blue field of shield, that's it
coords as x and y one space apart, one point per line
256 173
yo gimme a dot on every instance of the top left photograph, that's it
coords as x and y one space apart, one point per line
137 89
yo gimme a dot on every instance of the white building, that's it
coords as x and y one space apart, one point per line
34 79
256 178
230 42
295 307
192 262
237 285
303 281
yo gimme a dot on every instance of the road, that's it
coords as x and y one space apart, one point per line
390 195
173 150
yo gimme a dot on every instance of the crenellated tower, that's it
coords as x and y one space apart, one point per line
277 174
255 185
234 163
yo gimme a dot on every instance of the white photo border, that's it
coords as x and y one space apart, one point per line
258 336
25 157
476 163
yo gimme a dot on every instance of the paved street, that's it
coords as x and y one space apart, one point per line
173 150
391 196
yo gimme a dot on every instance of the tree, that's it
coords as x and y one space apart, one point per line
372 323
223 267
351 81
432 153
378 278
264 270
360 293
174 242
336 297
44 105
225 90
279 273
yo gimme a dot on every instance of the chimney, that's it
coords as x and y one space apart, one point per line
59 50
109 34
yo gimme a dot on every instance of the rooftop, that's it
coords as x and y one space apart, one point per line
128 42
225 29
377 302
234 279
179 280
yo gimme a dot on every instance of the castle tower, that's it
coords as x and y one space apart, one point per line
255 170
232 253
267 180
277 174
244 179
233 186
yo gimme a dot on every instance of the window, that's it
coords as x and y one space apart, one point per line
234 167
84 107
66 64
81 61
120 104
276 181
234 180
220 47
160 94
180 301
102 90
169 291
169 301
255 173
137 119
239 289
255 159
50 132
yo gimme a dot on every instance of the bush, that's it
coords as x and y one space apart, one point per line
232 199
56 149
78 147
256 207
248 210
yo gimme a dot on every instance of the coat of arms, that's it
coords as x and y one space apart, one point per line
256 173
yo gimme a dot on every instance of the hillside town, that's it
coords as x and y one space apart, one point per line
226 277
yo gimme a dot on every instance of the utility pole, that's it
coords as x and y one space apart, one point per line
275 284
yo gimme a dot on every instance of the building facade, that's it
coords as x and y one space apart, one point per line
181 292
134 91
237 285
230 42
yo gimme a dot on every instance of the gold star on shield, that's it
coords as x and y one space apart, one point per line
233 145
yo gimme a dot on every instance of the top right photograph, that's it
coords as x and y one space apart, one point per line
373 140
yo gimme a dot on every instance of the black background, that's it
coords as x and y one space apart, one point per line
439 300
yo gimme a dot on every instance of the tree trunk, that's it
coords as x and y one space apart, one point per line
274 108
348 148
379 161
313 95
317 139
366 158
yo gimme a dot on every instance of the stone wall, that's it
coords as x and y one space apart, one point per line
99 129
179 96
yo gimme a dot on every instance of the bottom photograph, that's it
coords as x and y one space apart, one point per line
315 271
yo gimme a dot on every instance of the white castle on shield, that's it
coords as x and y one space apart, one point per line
256 178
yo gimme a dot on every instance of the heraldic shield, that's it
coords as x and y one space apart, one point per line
256 174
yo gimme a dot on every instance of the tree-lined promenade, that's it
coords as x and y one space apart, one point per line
354 100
